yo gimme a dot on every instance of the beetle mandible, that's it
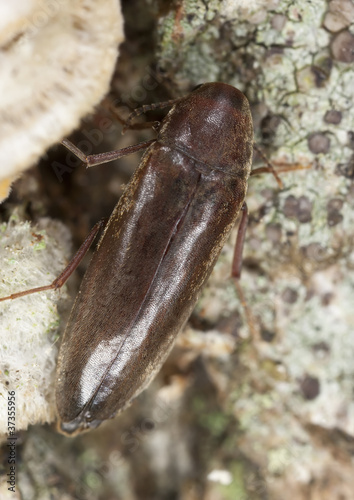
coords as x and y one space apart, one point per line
156 253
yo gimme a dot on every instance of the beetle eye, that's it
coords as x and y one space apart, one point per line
197 87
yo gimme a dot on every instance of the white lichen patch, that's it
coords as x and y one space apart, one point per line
299 239
28 325
322 347
303 103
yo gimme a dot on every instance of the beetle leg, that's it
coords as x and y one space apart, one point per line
237 266
93 160
62 278
132 126
269 168
127 123
147 107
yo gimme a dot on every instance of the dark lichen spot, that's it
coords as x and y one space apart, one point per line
318 143
342 47
346 169
200 323
289 295
290 206
253 265
326 298
148 425
310 387
320 76
269 126
334 216
321 348
299 208
325 64
315 75
305 209
267 335
333 116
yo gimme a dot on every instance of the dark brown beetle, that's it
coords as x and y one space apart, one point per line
157 251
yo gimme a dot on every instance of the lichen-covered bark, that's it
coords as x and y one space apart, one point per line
294 61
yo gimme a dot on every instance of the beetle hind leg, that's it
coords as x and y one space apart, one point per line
237 266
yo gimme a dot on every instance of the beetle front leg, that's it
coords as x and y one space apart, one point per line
143 109
93 160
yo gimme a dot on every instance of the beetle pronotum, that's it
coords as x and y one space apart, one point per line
156 253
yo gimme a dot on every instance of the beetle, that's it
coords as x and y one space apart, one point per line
155 254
